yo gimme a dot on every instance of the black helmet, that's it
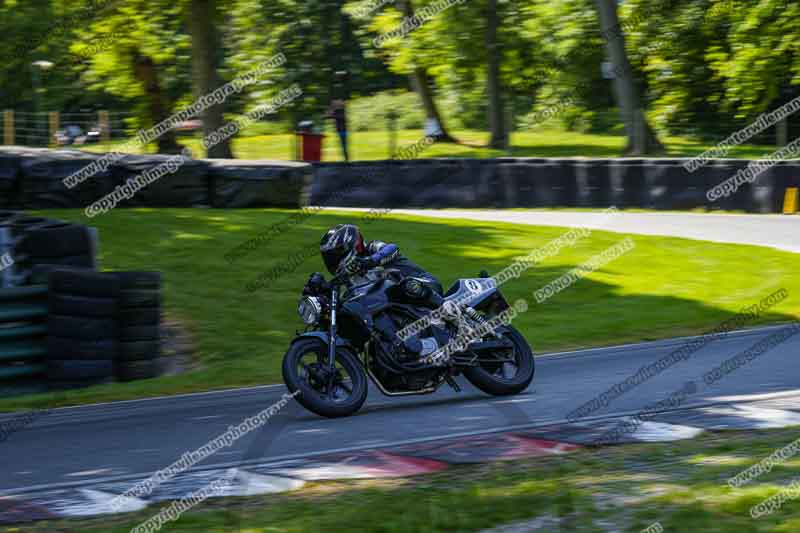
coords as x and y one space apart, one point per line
338 242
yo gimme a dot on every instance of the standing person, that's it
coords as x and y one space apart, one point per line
337 113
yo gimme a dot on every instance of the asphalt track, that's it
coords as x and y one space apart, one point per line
82 446
776 231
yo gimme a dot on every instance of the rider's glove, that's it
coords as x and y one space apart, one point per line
352 264
357 264
368 262
315 285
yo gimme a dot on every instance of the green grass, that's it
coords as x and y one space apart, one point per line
681 485
664 287
544 142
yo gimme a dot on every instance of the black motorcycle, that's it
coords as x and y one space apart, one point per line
330 361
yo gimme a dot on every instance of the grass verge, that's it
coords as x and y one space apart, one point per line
543 142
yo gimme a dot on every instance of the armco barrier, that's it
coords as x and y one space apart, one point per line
23 311
33 178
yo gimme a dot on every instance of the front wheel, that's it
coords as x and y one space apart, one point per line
326 393
508 377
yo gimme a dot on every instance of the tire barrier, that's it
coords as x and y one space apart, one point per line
769 188
23 315
103 326
9 174
82 331
541 183
628 184
529 182
723 169
140 325
234 183
62 323
593 182
41 174
38 244
33 178
186 187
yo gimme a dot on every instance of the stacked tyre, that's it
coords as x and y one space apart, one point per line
140 325
82 327
57 244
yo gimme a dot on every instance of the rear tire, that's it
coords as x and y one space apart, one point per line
488 382
311 398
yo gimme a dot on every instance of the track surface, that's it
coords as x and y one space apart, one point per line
83 445
776 231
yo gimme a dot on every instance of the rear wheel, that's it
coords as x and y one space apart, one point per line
503 378
326 393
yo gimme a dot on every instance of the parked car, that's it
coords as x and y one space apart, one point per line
69 135
188 126
74 134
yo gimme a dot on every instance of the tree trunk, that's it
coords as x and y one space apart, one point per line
499 136
782 132
641 138
204 70
419 82
145 71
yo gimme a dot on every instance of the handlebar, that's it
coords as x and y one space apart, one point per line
339 279
343 277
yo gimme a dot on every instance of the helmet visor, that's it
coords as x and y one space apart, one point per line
333 257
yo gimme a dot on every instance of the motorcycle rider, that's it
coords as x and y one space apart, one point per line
343 249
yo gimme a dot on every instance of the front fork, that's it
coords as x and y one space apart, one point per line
332 346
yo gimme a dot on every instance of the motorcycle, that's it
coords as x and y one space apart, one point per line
329 362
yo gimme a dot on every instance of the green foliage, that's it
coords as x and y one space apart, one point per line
704 67
369 113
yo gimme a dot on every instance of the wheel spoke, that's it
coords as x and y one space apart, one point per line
509 370
345 387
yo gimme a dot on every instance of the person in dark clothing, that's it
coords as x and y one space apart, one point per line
339 116
343 248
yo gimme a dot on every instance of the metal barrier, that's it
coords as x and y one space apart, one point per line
23 351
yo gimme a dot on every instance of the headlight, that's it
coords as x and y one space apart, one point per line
309 309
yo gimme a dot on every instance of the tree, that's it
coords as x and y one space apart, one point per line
146 72
641 138
205 43
318 39
499 135
421 85
148 64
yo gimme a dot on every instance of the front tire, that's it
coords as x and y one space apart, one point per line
303 366
492 378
